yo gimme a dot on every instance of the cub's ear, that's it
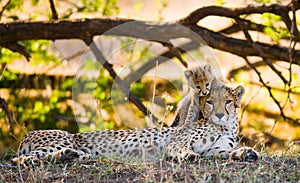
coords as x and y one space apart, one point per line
239 91
207 68
188 73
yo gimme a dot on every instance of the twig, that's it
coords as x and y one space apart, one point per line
175 52
246 106
4 106
277 88
16 47
236 28
4 7
153 95
163 57
270 93
53 10
293 42
250 26
246 67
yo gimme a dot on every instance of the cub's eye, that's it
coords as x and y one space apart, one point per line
209 102
198 88
228 102
207 85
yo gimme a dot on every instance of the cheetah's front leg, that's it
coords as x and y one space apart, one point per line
65 155
227 147
179 146
176 151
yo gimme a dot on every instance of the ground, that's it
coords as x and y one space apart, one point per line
266 169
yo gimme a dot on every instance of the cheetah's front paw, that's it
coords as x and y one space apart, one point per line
69 155
191 157
66 155
244 154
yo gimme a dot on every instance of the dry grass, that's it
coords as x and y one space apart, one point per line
267 169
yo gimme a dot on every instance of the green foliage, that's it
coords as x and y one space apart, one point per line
138 89
39 51
7 56
102 90
110 8
137 6
272 29
14 4
34 2
91 5
107 7
219 2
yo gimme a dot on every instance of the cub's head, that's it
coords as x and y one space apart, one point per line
220 106
200 79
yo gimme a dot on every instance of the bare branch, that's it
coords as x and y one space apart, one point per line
163 57
233 72
203 12
4 7
53 10
271 94
176 53
124 87
242 47
250 26
15 47
261 53
236 28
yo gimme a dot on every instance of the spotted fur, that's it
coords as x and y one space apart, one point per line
200 80
209 137
219 125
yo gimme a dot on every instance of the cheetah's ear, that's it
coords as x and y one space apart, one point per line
207 68
188 74
239 91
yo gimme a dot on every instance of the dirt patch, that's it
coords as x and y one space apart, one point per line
266 169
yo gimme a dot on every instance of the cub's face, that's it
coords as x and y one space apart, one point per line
221 104
200 79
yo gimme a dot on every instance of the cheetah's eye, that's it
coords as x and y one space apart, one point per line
207 85
228 102
198 88
209 102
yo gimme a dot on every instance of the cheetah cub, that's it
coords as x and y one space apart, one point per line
200 79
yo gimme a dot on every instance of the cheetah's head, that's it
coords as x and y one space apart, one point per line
200 79
220 106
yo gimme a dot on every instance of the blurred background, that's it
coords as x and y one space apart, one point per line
63 87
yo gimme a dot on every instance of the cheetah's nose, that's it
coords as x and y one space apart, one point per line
219 115
204 93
